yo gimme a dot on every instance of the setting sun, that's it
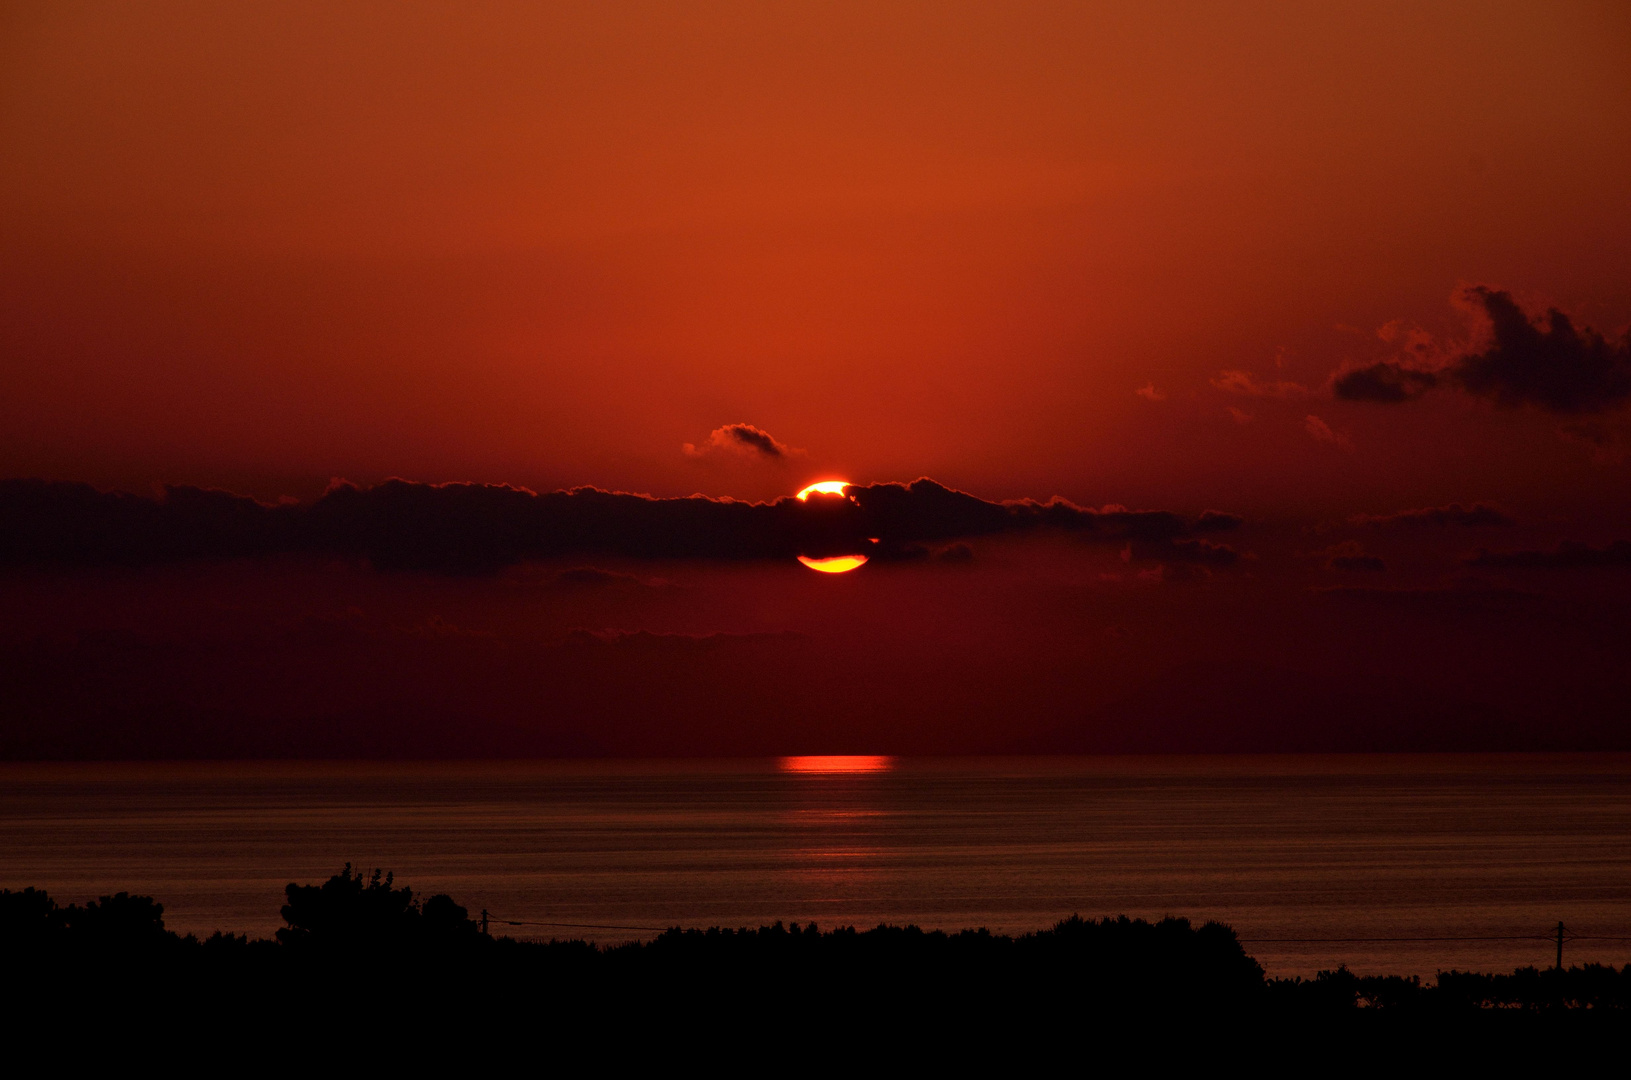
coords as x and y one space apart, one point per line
826 487
838 564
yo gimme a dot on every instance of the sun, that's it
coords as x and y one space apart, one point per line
826 487
837 564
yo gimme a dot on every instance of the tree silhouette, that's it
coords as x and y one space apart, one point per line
351 913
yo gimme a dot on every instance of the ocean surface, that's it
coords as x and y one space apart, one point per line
1402 864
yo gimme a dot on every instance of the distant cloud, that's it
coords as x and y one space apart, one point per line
1610 444
1212 521
647 641
477 528
1466 599
1478 514
1191 553
1387 382
1558 368
1249 385
1149 393
1548 365
740 439
1320 431
1350 557
594 576
1568 555
951 553
1241 416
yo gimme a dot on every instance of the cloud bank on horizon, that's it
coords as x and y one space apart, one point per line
480 528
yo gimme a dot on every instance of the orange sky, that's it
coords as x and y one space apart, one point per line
549 244
1174 257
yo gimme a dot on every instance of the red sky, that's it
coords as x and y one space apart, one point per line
256 248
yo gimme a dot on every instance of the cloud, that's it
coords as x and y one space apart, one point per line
1350 557
1191 553
1149 393
1320 431
1610 444
649 641
1465 599
437 628
1249 385
1387 382
1557 368
743 439
1546 364
48 522
1569 555
594 576
1478 514
482 528
951 553
1212 521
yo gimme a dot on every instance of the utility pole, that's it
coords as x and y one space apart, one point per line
1560 944
1559 940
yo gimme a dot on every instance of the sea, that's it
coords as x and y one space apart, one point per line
1400 864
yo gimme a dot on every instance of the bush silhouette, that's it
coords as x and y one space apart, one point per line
349 913
121 921
30 922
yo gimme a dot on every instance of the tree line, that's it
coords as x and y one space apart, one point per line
365 939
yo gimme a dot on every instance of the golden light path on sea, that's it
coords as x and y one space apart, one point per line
836 763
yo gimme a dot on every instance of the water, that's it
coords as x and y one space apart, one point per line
1291 847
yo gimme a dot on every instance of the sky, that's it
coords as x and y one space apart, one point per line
1351 277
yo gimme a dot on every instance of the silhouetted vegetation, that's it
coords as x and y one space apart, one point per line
349 916
363 944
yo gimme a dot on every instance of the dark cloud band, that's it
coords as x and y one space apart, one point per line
1476 515
1568 555
477 528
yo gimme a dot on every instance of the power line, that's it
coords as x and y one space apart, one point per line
1458 937
592 926
486 917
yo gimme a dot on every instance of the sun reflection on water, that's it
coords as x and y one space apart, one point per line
836 763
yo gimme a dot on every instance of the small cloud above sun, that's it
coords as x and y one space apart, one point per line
742 440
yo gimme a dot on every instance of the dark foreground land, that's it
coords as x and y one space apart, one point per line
361 952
